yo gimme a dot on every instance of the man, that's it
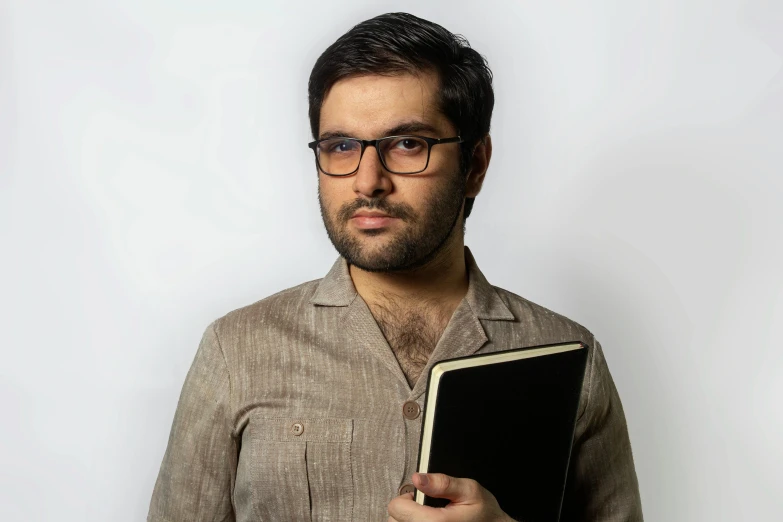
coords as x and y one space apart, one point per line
307 405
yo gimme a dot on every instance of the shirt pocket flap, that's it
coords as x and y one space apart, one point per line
298 429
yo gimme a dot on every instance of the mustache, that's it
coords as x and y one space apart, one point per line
396 210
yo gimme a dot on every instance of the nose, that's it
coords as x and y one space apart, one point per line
371 180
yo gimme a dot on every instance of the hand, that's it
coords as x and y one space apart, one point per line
469 501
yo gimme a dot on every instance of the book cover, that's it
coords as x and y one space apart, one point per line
505 419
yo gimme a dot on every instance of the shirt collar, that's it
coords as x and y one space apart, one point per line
337 289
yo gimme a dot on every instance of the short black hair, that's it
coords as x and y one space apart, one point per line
398 43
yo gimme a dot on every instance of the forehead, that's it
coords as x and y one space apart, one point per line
364 106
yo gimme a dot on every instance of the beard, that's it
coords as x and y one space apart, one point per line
416 245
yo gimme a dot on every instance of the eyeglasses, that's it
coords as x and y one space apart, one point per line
398 154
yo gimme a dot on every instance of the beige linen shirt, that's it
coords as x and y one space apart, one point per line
292 410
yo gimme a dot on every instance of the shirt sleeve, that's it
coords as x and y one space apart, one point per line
198 471
602 484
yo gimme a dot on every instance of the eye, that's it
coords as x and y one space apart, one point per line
338 146
409 144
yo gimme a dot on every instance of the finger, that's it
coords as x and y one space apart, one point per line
404 509
400 508
455 489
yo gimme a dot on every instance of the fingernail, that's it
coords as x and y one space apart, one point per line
423 479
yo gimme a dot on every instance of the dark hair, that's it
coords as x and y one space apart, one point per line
397 43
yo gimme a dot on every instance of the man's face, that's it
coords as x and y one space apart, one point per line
379 221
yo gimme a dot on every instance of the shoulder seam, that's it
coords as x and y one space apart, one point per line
544 308
281 292
225 363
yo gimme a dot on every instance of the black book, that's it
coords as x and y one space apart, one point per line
505 419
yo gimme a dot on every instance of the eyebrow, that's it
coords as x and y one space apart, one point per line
402 128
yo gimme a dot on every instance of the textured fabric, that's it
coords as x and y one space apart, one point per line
292 410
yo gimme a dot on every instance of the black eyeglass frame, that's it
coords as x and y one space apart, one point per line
431 142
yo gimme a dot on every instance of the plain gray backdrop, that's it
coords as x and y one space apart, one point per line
154 175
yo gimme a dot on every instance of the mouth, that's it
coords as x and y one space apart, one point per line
367 220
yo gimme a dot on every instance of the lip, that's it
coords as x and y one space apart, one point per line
366 220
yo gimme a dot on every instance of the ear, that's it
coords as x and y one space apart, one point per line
478 166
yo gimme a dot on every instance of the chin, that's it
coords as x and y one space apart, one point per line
376 258
372 232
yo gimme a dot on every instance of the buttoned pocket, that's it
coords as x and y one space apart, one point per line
296 468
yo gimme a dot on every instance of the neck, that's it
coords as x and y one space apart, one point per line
443 280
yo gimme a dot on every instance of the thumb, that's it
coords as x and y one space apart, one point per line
438 485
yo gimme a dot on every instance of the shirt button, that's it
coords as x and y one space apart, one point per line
406 488
411 410
297 429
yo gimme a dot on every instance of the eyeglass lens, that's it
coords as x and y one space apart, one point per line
401 154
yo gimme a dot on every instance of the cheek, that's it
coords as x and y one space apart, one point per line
422 193
334 192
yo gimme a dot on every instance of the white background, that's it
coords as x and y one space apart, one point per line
154 175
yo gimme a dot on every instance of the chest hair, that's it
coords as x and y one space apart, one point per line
412 333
